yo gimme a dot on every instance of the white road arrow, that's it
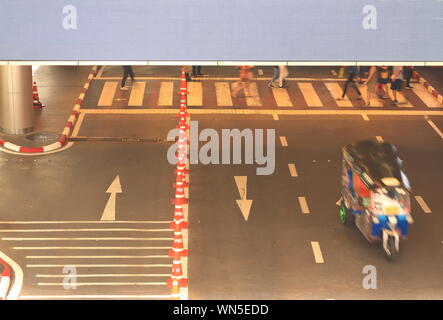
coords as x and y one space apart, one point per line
109 211
243 203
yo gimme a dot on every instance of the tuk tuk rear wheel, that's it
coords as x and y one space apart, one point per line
393 253
346 216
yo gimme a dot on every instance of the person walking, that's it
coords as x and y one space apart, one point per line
383 80
352 77
371 82
407 73
396 82
283 74
243 82
127 72
275 76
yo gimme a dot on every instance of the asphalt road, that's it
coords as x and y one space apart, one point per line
269 256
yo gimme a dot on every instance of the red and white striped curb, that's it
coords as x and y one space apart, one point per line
428 86
5 279
66 131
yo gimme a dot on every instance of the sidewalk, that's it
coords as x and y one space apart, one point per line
58 88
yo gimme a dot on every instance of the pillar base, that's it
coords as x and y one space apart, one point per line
16 131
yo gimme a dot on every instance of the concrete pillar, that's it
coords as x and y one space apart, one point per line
16 115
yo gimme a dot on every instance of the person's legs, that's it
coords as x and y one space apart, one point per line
283 73
275 76
131 74
408 75
124 78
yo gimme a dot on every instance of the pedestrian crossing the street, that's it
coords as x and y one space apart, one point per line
132 257
158 93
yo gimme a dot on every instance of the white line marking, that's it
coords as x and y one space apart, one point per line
99 265
79 284
98 257
87 297
423 204
379 139
292 170
436 129
105 275
78 230
87 239
275 116
303 205
91 248
78 125
365 117
283 141
16 287
82 221
317 252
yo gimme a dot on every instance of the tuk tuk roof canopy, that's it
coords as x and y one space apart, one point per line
380 162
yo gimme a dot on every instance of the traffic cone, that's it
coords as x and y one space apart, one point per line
180 181
179 197
177 281
183 86
177 246
36 99
179 218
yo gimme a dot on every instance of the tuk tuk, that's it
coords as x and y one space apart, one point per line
376 194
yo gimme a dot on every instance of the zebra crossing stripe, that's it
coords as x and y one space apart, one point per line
281 97
165 93
137 94
428 99
336 92
254 99
309 94
195 97
223 94
108 93
403 102
374 101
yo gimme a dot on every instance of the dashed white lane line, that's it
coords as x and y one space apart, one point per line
275 116
317 252
365 117
283 141
80 284
379 139
436 129
292 170
423 204
303 205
